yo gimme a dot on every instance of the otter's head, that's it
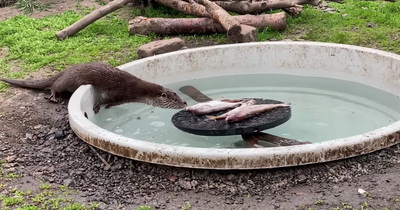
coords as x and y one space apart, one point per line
168 99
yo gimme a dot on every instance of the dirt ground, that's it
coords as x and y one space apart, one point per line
37 142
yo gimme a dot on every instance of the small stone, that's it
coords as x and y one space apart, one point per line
185 185
370 25
302 178
160 47
67 182
116 167
194 183
36 127
47 150
11 159
28 136
344 15
50 169
231 177
10 170
242 187
107 167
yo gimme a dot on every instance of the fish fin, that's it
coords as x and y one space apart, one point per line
211 117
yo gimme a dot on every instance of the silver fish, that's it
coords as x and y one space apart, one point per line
252 111
233 111
214 106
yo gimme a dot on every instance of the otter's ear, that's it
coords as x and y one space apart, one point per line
164 95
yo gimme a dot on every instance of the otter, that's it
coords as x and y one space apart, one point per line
117 86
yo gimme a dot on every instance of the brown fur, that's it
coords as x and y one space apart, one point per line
117 86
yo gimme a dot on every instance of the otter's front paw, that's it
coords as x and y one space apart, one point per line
96 109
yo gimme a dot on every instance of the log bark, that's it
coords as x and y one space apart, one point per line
245 7
185 7
221 16
173 26
90 18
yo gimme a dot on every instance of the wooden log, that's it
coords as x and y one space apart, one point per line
254 138
236 32
247 34
185 7
90 18
174 26
221 16
245 7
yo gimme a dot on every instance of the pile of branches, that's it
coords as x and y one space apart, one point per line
211 17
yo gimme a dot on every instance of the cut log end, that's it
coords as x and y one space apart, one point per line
247 34
234 30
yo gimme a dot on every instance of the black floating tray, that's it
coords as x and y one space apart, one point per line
199 125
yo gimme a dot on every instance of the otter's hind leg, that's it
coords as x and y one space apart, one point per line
57 88
54 97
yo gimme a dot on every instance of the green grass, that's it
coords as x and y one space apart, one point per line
351 29
32 43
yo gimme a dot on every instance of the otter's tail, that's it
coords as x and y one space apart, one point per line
32 84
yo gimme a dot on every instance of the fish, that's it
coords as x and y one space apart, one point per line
252 111
233 111
214 106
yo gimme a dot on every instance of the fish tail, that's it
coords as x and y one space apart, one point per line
211 117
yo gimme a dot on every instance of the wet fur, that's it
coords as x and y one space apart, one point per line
117 86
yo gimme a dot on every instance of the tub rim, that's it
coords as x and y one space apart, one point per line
220 158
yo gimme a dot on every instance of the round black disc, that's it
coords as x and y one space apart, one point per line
200 125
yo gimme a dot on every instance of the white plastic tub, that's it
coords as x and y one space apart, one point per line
367 66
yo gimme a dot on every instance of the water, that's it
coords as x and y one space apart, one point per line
322 109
